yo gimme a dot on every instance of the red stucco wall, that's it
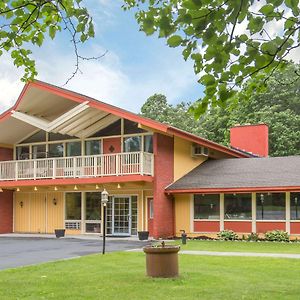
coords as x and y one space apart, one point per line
263 227
6 211
163 205
6 154
243 227
206 226
251 138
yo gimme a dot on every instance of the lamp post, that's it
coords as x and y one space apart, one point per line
296 204
262 205
104 200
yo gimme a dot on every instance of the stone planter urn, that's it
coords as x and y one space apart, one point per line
162 260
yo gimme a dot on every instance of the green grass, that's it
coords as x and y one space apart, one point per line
240 246
122 276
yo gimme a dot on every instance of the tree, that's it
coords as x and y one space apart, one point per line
27 22
229 41
278 106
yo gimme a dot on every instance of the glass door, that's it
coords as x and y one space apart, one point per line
121 215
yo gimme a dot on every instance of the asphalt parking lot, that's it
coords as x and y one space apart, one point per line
16 252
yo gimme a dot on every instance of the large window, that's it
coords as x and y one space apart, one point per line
93 206
73 206
238 206
295 206
270 206
132 144
39 151
23 152
92 147
148 143
207 207
73 148
56 150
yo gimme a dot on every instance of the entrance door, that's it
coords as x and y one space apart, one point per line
121 216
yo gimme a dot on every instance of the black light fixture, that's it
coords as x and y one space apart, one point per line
104 200
54 201
21 204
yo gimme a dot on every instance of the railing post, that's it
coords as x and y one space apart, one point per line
142 163
74 167
16 170
95 158
152 164
117 164
54 168
34 169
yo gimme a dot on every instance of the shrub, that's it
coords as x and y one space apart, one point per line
277 236
252 237
227 235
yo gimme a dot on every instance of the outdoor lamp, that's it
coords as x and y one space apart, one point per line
104 197
104 200
262 205
54 201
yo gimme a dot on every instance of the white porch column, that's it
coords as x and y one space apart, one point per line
221 212
253 199
288 212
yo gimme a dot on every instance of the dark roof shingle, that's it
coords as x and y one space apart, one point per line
242 173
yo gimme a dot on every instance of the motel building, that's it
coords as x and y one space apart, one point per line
60 149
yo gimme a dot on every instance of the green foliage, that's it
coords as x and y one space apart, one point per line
228 41
29 22
277 236
278 106
227 235
252 237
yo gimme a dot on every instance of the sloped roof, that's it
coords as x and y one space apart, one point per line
247 174
49 102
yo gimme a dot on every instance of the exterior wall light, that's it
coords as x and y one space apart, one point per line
21 204
54 201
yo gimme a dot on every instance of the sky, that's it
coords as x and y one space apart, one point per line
135 67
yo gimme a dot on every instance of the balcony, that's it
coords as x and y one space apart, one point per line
120 164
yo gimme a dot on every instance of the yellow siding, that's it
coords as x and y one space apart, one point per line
55 213
38 214
22 213
182 213
183 160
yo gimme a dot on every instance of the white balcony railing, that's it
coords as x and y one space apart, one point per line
134 163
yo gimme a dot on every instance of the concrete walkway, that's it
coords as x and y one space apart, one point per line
233 254
241 254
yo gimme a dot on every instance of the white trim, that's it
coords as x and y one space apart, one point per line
31 120
221 211
288 212
253 203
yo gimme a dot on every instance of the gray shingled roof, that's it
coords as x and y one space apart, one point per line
242 173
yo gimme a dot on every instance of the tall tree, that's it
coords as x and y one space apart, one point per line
24 23
278 106
229 41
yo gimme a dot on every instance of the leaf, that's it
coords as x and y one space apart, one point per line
174 41
208 79
267 9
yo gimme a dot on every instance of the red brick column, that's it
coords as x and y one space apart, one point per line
163 205
6 211
6 198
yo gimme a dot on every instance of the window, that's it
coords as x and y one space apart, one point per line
39 136
56 150
73 149
131 127
23 152
73 206
60 137
148 143
132 144
93 206
207 207
134 214
151 212
112 129
92 147
295 203
39 151
238 206
270 206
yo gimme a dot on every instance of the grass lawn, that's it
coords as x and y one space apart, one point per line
239 246
122 276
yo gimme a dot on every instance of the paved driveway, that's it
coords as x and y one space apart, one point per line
15 252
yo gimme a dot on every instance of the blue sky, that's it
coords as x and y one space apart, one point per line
135 67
